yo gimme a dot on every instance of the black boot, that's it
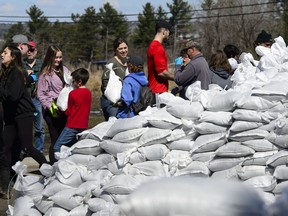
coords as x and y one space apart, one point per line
4 184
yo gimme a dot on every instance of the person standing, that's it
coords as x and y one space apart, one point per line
220 70
157 59
18 115
53 77
21 41
132 84
196 70
78 110
33 65
119 61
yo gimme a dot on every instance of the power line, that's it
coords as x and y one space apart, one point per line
127 15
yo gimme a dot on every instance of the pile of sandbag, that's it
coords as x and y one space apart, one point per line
238 135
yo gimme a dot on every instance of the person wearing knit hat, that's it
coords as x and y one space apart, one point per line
264 39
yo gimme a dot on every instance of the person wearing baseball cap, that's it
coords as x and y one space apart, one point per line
157 60
132 84
33 65
21 41
196 70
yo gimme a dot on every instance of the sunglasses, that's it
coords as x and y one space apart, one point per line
31 49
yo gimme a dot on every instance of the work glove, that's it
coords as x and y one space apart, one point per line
34 77
54 110
179 61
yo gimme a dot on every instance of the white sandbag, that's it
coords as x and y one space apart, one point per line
238 126
136 157
56 211
99 176
97 132
121 184
182 144
209 128
23 205
248 135
81 159
234 149
163 119
209 142
129 136
154 135
265 182
86 188
203 157
254 115
218 118
86 147
186 110
218 164
273 91
154 152
114 86
228 174
281 126
268 127
116 169
177 159
81 210
193 196
149 168
280 158
114 148
67 199
96 204
279 140
259 158
220 100
254 103
62 99
279 207
101 161
182 133
247 172
280 187
281 172
53 187
126 124
260 145
196 169
69 173
268 197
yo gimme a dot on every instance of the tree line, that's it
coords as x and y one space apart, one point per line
90 35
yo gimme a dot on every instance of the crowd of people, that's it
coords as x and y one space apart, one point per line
30 87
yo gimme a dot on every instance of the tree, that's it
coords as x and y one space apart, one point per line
14 29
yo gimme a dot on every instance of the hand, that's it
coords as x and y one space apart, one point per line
54 110
34 77
179 61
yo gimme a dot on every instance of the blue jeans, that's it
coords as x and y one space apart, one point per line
39 133
108 108
67 138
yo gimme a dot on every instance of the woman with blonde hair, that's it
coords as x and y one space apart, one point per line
52 79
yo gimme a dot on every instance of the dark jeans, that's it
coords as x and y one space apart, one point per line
108 108
55 127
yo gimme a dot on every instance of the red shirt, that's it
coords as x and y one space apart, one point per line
79 104
157 63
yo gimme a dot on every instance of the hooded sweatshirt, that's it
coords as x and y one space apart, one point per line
130 92
221 77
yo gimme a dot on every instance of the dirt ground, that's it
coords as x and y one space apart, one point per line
32 166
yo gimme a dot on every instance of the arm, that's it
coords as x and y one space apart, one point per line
182 77
14 87
43 92
166 75
126 93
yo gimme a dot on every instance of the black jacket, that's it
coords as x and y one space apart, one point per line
16 100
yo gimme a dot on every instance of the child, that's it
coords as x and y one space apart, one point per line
132 84
78 110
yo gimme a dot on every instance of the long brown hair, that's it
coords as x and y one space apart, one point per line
48 61
219 60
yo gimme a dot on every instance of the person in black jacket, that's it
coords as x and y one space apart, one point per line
18 116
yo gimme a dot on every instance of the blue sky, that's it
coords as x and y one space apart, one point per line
67 7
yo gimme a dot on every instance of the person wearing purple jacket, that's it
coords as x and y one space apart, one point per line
196 70
53 77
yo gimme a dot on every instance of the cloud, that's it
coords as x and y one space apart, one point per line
46 2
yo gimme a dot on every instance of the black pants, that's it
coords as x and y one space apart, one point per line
55 127
19 135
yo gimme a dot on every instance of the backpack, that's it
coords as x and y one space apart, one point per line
147 98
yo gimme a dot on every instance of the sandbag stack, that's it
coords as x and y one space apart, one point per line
238 135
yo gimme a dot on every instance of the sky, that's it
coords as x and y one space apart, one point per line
67 7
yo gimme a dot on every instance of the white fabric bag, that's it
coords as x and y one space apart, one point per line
62 100
114 86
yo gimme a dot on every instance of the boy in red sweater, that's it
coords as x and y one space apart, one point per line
78 110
